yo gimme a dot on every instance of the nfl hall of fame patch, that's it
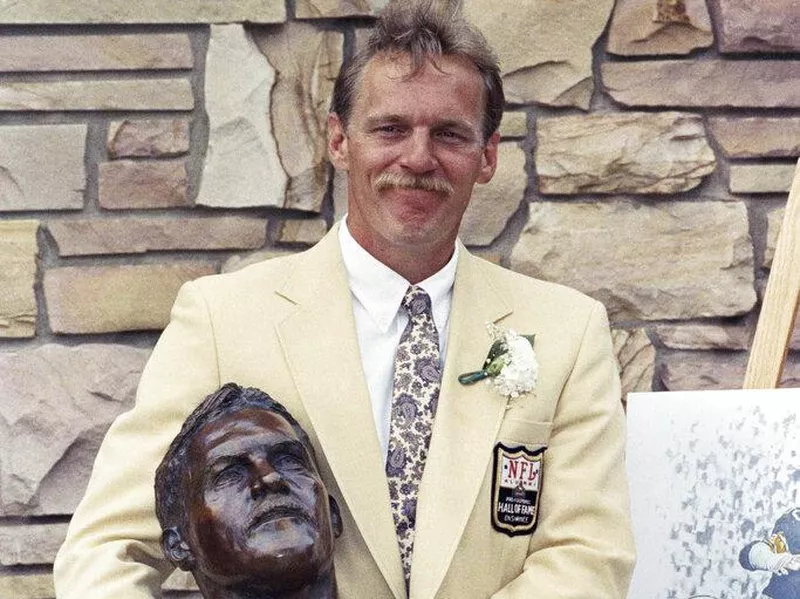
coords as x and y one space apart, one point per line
516 486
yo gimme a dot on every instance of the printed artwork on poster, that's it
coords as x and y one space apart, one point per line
715 494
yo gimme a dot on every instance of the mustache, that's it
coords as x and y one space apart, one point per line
388 180
272 510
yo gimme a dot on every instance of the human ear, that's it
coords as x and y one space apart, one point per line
176 549
336 517
337 142
489 159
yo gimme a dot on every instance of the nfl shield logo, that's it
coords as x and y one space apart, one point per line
515 489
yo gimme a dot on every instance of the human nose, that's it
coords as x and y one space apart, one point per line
267 480
418 156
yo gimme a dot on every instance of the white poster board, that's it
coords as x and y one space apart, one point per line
710 472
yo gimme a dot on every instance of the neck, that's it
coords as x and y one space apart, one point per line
415 267
414 263
323 587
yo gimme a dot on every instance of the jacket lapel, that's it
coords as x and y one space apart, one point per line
321 348
467 421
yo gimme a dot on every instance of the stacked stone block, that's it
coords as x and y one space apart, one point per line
648 147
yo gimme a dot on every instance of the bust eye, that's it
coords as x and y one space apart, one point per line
230 475
289 460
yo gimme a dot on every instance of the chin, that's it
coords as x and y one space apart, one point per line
430 228
292 570
419 237
409 226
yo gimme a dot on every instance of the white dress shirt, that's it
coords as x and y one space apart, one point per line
377 291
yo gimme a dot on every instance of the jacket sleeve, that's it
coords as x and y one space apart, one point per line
112 549
583 544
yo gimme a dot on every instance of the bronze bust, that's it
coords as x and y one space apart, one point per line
241 503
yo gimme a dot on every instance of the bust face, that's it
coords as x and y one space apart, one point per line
258 512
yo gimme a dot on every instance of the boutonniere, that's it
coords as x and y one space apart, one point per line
511 365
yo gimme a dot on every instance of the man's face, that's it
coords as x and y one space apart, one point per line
258 512
429 125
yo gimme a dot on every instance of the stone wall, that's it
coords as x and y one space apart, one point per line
648 150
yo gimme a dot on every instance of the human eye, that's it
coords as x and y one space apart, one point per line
389 129
452 135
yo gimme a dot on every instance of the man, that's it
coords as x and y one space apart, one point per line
241 503
446 490
780 554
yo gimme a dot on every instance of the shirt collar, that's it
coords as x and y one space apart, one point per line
380 290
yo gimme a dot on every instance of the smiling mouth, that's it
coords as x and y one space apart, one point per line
277 513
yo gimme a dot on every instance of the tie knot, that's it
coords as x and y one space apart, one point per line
416 301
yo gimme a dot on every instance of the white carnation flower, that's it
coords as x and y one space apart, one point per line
511 365
520 371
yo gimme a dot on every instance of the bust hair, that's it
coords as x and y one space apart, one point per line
424 30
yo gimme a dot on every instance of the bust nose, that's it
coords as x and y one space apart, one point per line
267 480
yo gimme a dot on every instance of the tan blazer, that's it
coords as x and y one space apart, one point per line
286 326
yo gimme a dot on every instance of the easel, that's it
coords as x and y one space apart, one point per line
776 321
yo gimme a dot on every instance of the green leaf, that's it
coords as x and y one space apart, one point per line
469 378
496 365
498 348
